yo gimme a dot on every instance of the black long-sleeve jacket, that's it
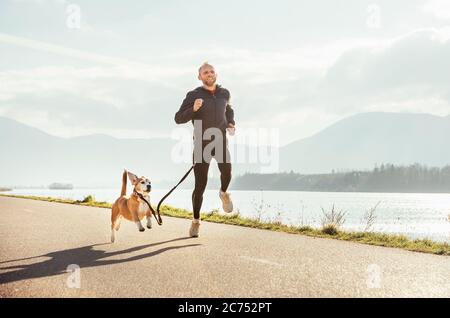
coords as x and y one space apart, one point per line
215 112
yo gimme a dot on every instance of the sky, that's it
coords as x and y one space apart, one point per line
122 68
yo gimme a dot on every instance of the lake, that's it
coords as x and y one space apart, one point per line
416 215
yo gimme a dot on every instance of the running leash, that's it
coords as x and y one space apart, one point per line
157 213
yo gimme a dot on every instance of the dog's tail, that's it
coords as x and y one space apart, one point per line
124 183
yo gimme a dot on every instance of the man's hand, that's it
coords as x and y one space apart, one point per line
231 129
197 104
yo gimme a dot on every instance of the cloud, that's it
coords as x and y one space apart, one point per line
93 99
259 80
69 52
299 90
410 73
41 2
412 70
439 8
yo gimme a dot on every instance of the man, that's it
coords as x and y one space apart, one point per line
209 109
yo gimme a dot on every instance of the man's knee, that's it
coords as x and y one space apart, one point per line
200 183
225 169
199 190
227 173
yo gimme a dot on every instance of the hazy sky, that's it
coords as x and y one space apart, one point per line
299 66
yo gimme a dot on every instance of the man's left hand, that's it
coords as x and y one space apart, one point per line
231 129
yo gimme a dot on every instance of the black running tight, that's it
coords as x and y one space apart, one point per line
201 179
202 161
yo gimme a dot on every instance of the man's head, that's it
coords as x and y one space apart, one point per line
207 74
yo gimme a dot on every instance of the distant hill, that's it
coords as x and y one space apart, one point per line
32 157
361 141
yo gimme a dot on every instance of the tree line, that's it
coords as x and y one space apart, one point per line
383 178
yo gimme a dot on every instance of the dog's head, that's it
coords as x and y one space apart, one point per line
141 185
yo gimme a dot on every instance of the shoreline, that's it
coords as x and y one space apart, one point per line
369 238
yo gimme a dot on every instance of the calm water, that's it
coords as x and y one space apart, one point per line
415 215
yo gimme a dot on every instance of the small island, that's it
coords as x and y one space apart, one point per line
60 186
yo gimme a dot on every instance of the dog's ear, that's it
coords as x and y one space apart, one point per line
133 178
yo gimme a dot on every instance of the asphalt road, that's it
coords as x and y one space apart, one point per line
39 240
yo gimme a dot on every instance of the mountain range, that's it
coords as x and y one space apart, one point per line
31 157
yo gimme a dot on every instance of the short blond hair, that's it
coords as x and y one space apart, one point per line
205 64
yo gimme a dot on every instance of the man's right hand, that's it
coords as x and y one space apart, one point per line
197 104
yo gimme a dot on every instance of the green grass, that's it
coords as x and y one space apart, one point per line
330 229
87 201
379 239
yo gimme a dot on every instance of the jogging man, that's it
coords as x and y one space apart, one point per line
209 109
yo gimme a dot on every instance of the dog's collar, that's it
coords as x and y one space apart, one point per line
139 195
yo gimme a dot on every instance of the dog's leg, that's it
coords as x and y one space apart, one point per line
117 224
115 227
137 221
113 234
114 217
139 226
149 219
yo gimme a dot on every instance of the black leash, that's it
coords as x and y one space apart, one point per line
157 218
157 213
182 179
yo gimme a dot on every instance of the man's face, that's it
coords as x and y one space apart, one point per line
208 75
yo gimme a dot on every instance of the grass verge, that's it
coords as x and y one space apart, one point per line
379 239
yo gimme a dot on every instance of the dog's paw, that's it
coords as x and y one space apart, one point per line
141 230
149 226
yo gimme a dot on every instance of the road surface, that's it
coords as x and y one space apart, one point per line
39 240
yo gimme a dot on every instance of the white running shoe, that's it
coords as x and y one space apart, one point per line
195 226
227 204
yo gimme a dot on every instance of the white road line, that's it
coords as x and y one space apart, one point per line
261 260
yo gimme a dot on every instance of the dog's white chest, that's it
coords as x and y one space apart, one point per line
142 208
